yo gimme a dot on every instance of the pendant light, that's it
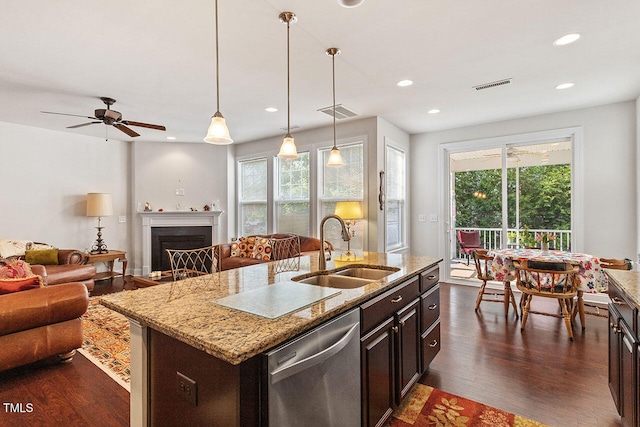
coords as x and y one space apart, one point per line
218 132
288 148
335 158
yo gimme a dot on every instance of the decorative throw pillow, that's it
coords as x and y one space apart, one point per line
262 249
243 247
16 270
8 286
17 276
42 257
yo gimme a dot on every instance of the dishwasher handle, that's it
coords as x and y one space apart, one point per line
286 371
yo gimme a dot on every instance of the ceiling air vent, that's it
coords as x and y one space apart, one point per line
342 112
493 84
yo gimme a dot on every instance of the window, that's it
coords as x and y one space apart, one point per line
253 197
292 202
395 198
338 184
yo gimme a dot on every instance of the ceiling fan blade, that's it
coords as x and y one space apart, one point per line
72 115
81 125
126 130
144 125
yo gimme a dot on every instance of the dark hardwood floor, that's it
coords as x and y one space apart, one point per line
538 374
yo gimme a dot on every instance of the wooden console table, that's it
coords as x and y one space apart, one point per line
109 257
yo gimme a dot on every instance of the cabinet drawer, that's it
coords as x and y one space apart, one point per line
384 305
624 307
429 278
430 345
430 307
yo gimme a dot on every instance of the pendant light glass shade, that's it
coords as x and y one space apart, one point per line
218 132
288 148
335 158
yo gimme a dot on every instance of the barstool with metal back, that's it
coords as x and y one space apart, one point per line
186 263
483 270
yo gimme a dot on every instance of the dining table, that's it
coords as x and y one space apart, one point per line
591 277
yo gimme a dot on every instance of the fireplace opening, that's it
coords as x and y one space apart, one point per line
163 238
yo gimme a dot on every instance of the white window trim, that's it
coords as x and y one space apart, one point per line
403 247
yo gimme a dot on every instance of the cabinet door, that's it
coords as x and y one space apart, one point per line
627 376
408 348
378 374
614 357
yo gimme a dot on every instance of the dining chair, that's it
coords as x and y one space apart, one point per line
186 263
548 281
483 271
469 242
615 264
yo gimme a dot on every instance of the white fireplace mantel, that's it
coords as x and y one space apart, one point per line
174 219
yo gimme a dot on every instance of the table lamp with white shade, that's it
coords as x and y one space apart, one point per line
99 205
350 212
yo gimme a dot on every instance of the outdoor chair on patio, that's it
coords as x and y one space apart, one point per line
187 263
483 270
469 241
548 280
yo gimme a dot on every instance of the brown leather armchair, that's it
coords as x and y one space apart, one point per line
40 323
72 267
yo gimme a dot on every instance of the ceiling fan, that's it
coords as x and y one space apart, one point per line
110 118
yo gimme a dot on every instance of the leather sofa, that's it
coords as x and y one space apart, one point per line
227 262
72 267
39 323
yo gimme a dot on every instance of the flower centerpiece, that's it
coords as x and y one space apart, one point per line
544 239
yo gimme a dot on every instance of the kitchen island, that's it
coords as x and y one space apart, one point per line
180 325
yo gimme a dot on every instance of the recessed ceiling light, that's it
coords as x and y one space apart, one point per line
564 86
564 40
350 3
271 109
404 83
433 111
171 138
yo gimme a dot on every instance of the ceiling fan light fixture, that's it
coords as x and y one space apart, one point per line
288 148
218 132
350 3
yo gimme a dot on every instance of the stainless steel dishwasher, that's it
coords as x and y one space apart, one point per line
314 380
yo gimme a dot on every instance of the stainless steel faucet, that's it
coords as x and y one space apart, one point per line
322 260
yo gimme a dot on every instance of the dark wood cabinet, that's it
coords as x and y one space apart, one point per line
399 330
623 357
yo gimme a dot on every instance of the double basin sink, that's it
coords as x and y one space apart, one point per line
347 278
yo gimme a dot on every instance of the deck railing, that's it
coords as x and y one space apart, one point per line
491 238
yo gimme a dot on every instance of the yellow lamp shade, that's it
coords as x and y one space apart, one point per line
288 148
218 132
349 210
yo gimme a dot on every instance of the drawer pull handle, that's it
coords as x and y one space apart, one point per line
402 322
617 301
395 329
433 306
397 299
433 343
431 276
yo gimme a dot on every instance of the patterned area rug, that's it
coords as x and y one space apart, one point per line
427 406
106 341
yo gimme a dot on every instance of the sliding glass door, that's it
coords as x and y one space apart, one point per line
506 195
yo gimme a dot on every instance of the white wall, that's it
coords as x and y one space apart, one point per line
46 176
159 168
609 154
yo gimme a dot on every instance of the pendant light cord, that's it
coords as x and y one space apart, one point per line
333 66
217 66
288 86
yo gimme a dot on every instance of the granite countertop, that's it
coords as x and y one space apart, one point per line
186 311
628 281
